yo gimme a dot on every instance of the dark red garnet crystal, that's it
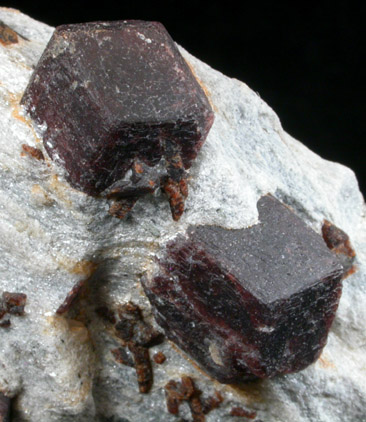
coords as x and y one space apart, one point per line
111 94
248 303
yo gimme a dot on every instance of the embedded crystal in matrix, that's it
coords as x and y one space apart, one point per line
252 302
113 94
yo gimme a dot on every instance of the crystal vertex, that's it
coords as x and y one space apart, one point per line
111 93
248 303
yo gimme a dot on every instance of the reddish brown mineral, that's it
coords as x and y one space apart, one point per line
136 337
12 303
185 390
241 412
212 402
159 358
71 297
7 35
338 242
248 303
111 93
32 152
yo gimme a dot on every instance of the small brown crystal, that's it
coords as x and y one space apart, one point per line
339 243
212 402
7 35
32 152
14 302
185 390
143 367
159 358
71 297
136 337
123 357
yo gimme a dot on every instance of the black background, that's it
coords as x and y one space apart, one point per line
304 61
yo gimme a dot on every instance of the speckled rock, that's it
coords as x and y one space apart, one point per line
59 367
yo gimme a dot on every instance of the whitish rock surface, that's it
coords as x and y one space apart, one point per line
58 369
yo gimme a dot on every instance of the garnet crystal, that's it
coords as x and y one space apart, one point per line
114 93
248 303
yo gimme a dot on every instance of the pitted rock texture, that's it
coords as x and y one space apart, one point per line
261 300
110 93
60 367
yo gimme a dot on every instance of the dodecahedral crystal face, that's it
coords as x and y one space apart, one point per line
248 303
111 93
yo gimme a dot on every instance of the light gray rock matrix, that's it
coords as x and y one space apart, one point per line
61 370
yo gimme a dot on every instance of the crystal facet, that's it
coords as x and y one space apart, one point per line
110 93
248 303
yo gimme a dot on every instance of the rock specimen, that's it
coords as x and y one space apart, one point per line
249 302
56 370
111 93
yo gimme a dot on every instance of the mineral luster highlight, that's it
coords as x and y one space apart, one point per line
249 303
113 94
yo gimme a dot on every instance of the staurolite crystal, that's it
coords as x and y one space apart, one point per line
113 93
248 303
339 243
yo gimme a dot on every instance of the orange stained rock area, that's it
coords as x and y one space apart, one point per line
14 100
325 363
251 392
84 267
7 35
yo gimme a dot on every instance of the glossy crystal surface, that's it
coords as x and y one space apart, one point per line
248 303
113 93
